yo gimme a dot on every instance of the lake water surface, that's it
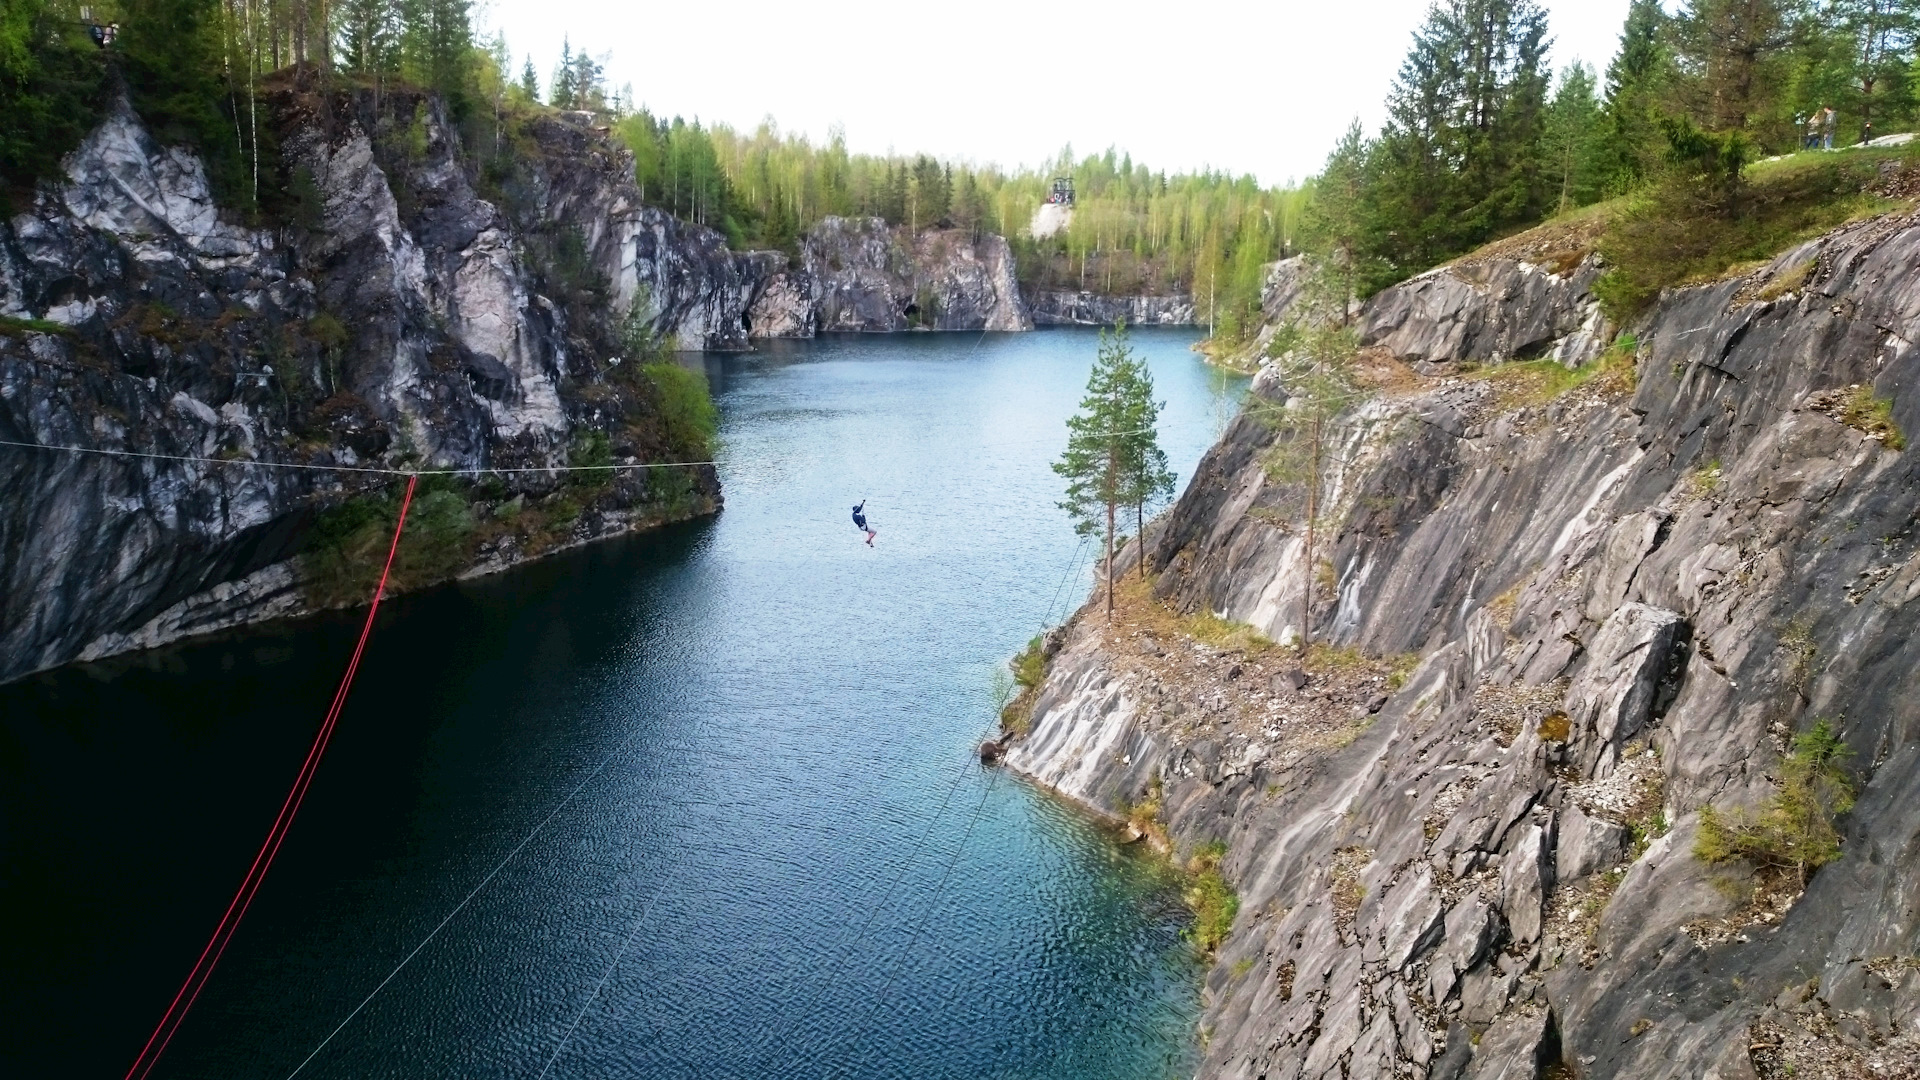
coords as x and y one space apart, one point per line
749 740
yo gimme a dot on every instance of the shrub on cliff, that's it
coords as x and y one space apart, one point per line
1794 830
688 417
50 81
347 544
1213 901
1697 225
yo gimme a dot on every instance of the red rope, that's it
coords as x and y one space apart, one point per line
189 991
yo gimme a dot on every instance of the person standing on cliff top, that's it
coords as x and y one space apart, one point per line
860 521
1828 120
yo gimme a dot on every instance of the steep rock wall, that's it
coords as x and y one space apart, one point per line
857 274
399 320
1058 308
1477 311
1490 311
1626 601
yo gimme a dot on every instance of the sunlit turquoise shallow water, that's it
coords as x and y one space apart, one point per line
778 858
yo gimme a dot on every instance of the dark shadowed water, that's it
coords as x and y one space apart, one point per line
778 858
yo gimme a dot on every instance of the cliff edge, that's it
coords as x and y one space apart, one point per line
1556 631
392 318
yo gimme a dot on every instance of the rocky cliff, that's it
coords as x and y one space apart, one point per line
392 317
1060 308
857 274
1553 633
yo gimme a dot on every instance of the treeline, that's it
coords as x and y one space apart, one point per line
193 70
1481 139
1133 229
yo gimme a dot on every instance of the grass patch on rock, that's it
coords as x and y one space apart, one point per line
1873 415
1675 234
1523 384
1213 901
1210 629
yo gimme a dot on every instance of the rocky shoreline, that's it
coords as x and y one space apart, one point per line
1622 603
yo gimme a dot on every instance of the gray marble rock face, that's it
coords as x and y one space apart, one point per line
1678 575
1489 312
1055 307
399 318
859 275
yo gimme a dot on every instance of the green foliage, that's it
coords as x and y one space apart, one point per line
672 489
1460 157
1696 225
1315 367
1793 830
1572 145
677 166
592 451
1132 230
346 546
687 413
171 54
1637 79
1212 900
1734 59
1030 666
51 79
1113 457
1100 446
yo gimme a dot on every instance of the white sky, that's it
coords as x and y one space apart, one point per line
1264 88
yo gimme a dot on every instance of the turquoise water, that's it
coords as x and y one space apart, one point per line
778 858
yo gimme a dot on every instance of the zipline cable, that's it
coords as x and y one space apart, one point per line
913 938
369 470
365 469
464 901
223 933
843 951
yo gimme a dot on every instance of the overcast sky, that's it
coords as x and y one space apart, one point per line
1264 88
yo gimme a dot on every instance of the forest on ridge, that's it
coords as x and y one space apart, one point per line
1482 137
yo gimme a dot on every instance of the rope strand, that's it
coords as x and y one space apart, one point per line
229 924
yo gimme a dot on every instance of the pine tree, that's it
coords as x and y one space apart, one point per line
1149 479
368 33
1880 35
1573 128
1097 459
1337 217
561 85
1732 57
589 83
529 81
1460 156
1317 375
1637 79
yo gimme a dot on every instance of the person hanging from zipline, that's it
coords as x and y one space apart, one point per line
860 521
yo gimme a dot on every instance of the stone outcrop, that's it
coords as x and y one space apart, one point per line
858 274
1623 601
1490 311
1475 311
1054 307
392 318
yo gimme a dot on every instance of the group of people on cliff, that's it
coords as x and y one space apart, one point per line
1816 129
